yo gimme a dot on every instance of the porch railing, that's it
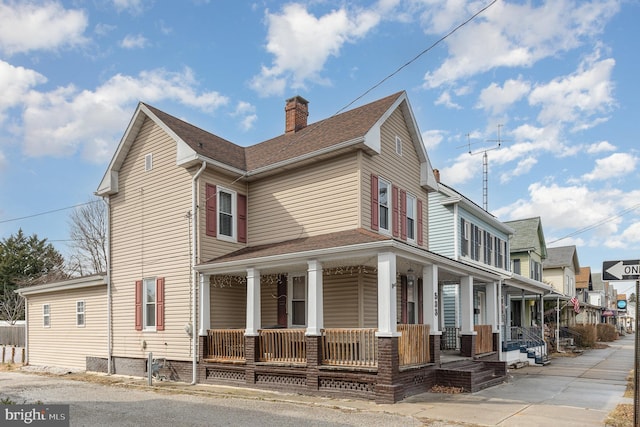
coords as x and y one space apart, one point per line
484 338
282 346
350 347
225 345
413 344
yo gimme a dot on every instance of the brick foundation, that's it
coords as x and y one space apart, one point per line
468 345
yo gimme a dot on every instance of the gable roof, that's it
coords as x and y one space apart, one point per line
583 279
358 128
563 256
527 236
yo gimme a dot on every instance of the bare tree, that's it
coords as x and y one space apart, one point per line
88 231
12 308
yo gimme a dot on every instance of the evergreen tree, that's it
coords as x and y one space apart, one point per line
25 261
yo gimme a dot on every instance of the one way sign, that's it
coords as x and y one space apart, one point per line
621 270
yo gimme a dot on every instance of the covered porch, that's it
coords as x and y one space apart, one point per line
359 320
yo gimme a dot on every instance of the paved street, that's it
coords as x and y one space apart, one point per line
571 391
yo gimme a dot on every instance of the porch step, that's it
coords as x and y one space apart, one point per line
470 375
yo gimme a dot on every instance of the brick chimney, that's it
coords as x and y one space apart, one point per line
436 172
296 113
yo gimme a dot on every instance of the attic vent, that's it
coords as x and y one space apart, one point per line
148 162
398 146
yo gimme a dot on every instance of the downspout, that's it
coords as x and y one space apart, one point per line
108 266
194 274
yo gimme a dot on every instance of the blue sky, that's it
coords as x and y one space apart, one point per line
559 78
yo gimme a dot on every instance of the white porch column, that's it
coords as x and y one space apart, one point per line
205 304
431 303
253 302
387 299
492 305
466 305
315 321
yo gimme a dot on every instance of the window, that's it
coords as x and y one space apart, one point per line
298 292
516 266
384 190
148 162
411 217
226 214
46 315
149 302
476 242
499 254
398 146
464 237
79 313
488 248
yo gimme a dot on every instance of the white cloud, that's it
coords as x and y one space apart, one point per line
301 44
28 26
496 99
578 97
247 113
600 147
445 99
134 7
432 138
134 41
616 165
65 120
523 167
510 34
15 83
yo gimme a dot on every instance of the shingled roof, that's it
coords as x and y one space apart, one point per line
563 256
527 235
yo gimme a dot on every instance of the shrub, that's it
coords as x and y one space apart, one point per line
606 332
585 335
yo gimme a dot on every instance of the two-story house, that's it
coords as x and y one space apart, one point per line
299 263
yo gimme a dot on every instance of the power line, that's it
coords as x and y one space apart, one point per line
47 212
598 224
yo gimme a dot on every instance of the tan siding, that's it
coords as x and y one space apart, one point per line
151 238
228 307
64 344
340 295
318 199
402 171
370 300
268 302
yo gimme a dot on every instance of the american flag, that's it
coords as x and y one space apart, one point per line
576 304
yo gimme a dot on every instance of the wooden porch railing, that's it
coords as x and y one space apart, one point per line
225 345
282 345
484 338
413 344
350 347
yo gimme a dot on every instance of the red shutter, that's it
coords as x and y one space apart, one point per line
403 300
138 305
420 302
242 218
375 216
419 225
395 215
211 215
403 215
160 304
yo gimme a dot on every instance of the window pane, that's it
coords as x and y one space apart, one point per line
150 303
298 316
225 202
151 315
226 222
80 319
151 291
299 288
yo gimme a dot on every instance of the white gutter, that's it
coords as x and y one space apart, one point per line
194 273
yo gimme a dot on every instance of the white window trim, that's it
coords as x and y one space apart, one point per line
398 146
389 206
414 216
145 322
46 323
290 277
148 162
234 215
83 312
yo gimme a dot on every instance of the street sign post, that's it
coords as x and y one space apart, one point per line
619 271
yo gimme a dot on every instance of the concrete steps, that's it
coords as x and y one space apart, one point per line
470 375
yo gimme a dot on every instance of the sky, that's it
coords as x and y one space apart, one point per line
547 89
